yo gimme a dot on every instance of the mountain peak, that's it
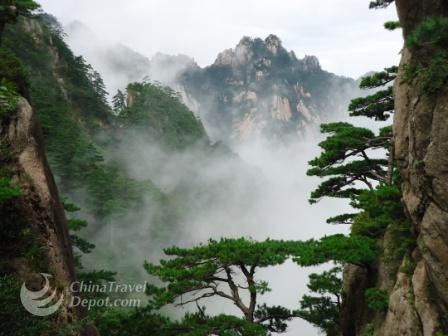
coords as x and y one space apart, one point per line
245 41
273 43
311 62
249 48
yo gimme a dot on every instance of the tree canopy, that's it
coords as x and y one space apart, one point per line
322 308
226 269
347 159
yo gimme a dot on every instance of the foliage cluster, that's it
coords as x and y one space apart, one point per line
377 299
7 190
227 269
13 82
322 310
157 112
11 10
14 319
429 41
359 165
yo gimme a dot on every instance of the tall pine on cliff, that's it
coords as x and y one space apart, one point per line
355 167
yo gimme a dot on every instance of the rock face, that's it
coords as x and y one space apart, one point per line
40 212
259 89
421 147
418 282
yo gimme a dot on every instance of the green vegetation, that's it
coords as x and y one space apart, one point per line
379 105
14 319
13 74
381 207
323 310
10 10
377 299
81 247
226 269
70 101
157 112
338 161
8 101
429 64
13 82
356 168
392 25
7 190
79 127
432 34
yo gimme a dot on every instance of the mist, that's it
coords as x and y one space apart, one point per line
256 189
259 192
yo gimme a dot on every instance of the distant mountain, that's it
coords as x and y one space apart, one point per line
259 89
256 90
118 64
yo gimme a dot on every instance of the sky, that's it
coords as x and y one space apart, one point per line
347 37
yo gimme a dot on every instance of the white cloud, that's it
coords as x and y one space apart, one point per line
347 37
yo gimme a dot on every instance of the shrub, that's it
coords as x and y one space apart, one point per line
377 299
7 190
12 72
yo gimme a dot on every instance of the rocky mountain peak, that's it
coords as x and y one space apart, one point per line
260 89
251 50
311 62
273 43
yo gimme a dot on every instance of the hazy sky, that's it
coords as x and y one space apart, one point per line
347 37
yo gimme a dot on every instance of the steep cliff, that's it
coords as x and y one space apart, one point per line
35 235
421 145
416 282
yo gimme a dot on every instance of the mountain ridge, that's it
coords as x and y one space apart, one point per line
278 95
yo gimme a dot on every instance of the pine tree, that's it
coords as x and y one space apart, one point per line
226 269
119 102
322 310
351 155
380 4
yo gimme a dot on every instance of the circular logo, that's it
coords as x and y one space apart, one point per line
35 302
